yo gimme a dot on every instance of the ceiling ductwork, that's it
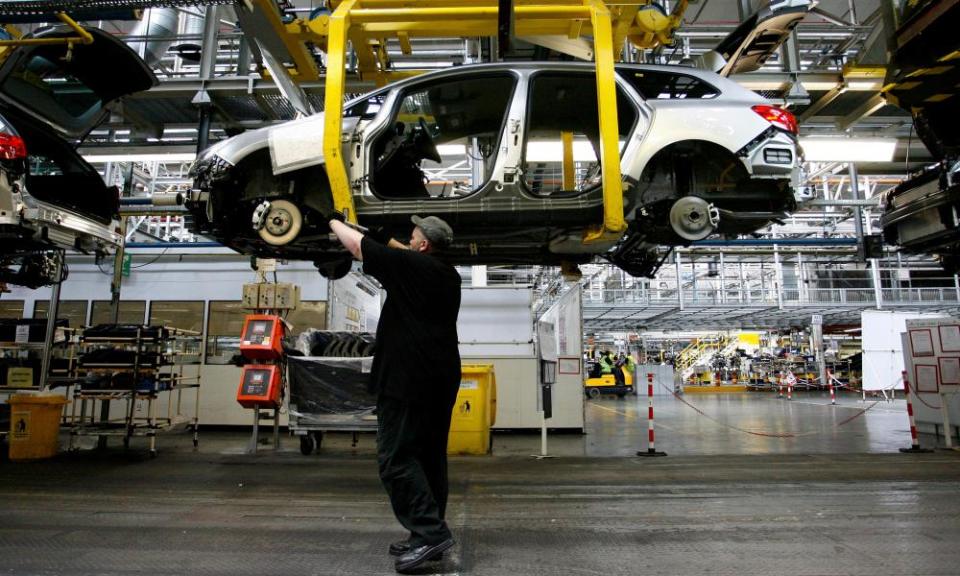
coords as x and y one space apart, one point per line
168 29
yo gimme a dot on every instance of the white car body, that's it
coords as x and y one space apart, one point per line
512 209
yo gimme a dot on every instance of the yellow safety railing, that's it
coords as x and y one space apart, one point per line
695 351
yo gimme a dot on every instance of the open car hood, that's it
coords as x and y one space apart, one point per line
72 95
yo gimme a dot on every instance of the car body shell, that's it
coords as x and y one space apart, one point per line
53 199
548 229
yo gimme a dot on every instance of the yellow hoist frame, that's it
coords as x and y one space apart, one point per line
368 24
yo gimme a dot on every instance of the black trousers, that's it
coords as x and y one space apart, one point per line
618 376
412 457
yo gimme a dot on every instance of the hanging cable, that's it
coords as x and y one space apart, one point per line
697 16
160 255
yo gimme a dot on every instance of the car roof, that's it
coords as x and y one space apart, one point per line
724 85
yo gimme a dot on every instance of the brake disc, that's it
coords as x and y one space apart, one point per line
693 218
281 224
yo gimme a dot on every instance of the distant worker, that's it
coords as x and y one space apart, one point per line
626 365
416 374
608 365
606 362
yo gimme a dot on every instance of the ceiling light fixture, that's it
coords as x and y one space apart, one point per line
848 149
159 157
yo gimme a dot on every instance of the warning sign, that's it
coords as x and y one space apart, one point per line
20 425
19 377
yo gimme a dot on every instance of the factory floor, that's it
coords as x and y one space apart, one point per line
751 485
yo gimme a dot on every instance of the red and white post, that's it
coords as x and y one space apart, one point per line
651 450
833 394
790 380
914 440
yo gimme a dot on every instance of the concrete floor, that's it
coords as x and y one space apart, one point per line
748 423
835 498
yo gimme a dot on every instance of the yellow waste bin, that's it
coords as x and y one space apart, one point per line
35 425
475 411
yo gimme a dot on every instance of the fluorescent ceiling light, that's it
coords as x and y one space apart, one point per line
552 151
537 151
101 158
865 84
848 149
451 149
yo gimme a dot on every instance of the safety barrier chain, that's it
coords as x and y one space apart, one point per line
27 8
916 394
772 434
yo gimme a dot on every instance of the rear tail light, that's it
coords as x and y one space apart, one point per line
777 116
12 147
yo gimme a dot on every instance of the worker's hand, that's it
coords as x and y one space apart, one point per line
329 215
334 215
378 234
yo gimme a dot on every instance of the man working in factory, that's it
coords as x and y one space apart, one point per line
416 374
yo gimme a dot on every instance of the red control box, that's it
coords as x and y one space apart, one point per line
260 386
262 337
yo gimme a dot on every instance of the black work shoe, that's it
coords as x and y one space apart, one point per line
417 556
401 547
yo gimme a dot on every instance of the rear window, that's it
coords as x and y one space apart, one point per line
47 90
658 85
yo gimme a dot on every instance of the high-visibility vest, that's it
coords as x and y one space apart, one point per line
606 365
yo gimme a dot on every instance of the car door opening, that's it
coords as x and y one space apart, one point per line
454 125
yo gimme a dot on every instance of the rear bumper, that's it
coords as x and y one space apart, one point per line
42 226
775 154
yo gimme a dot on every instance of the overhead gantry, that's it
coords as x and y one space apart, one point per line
588 29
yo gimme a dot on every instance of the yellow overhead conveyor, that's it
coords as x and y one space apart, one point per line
368 24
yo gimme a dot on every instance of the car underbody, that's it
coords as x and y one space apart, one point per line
677 193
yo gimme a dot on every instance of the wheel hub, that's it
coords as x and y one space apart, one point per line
693 218
282 221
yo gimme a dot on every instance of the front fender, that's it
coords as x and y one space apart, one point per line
293 145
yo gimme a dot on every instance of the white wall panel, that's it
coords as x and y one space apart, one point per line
882 349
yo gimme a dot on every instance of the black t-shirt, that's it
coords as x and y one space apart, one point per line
417 357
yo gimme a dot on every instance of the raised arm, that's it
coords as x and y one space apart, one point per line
349 237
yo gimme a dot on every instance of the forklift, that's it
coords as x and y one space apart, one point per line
597 383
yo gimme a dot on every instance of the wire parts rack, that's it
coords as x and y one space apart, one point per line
137 369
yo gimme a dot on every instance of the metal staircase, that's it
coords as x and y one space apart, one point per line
700 350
